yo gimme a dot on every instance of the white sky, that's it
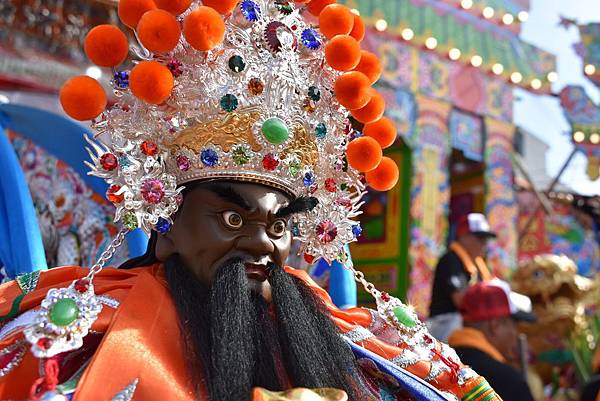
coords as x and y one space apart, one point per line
542 115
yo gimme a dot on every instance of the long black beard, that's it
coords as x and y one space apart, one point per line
234 341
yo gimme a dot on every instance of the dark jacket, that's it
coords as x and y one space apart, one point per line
592 389
450 276
506 380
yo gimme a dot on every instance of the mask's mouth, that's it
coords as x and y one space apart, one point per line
257 271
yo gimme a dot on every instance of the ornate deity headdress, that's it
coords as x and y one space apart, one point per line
245 90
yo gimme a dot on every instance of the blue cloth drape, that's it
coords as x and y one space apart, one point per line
63 138
21 247
342 286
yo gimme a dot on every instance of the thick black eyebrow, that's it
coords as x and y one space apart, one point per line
228 194
298 205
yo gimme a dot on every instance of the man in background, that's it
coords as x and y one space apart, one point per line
461 266
489 340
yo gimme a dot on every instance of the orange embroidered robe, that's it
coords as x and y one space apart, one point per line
141 338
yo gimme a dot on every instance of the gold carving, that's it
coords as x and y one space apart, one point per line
303 146
232 130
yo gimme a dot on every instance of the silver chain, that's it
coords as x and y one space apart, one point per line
107 254
360 278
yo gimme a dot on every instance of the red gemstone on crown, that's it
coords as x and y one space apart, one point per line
149 148
343 201
270 162
385 297
309 258
330 185
176 67
153 190
326 231
183 163
109 162
82 285
112 195
44 343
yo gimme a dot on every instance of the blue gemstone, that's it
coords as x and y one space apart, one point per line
121 79
320 131
355 134
310 39
308 180
250 10
356 230
295 230
314 93
124 161
163 226
229 102
209 157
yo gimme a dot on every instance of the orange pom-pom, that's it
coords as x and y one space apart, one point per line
358 30
204 28
316 6
353 90
364 154
342 53
106 46
151 82
372 111
301 1
175 7
159 31
385 176
222 6
82 98
382 130
130 11
336 19
369 65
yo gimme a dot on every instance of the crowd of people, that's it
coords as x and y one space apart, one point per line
478 314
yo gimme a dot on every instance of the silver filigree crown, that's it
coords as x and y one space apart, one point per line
259 107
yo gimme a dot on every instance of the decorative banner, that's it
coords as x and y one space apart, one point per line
589 49
568 235
535 240
76 223
410 68
501 208
429 220
454 27
402 108
431 161
584 117
466 131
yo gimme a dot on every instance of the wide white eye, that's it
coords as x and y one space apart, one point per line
278 228
232 219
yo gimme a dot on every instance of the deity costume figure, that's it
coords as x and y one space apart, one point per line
252 127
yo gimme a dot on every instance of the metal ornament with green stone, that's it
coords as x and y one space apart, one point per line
404 316
64 312
275 131
65 317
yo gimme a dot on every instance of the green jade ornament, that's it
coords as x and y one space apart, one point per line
64 312
404 316
275 131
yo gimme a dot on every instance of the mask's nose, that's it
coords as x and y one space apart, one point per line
256 242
